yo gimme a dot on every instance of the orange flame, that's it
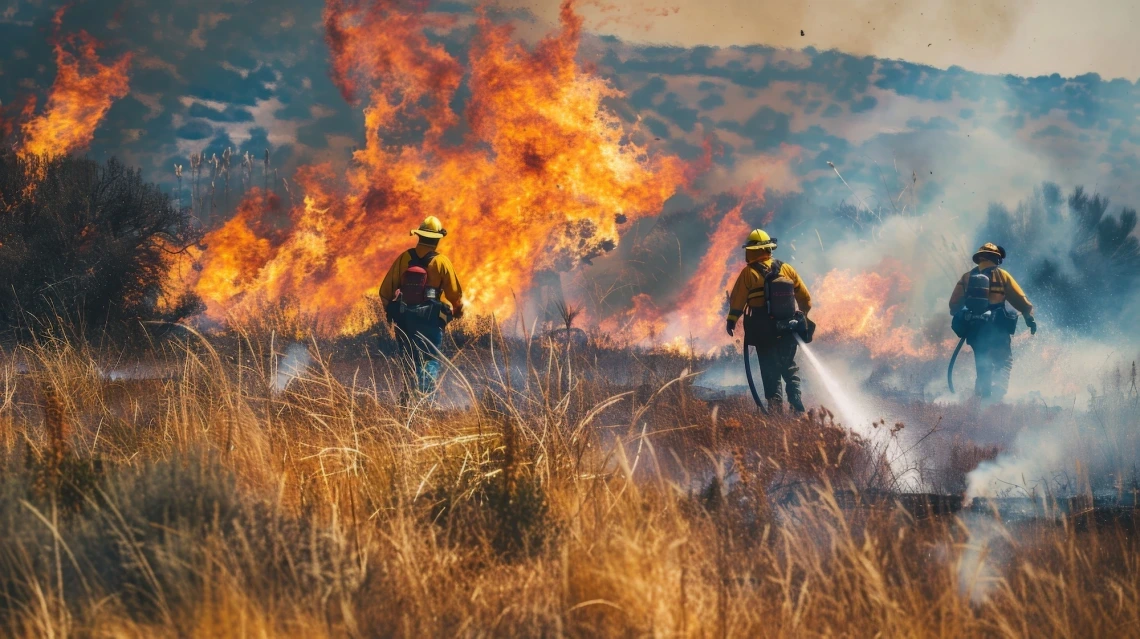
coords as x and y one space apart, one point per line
539 179
864 309
643 323
226 273
83 92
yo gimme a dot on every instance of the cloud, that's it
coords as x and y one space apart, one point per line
206 23
711 101
229 113
195 130
936 123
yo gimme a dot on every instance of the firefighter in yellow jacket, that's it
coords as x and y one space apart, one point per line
985 303
775 349
421 294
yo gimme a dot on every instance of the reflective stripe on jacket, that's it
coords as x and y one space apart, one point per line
749 288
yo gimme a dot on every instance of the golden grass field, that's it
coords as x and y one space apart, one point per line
556 490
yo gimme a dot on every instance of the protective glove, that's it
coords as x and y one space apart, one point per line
457 312
730 326
1032 324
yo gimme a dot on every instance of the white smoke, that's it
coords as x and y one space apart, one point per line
724 375
294 364
1090 444
980 565
1026 470
135 371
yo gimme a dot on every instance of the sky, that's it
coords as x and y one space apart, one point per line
1022 37
253 75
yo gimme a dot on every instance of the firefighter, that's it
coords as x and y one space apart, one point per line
985 303
763 323
421 294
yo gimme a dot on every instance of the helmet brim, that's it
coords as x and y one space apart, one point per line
767 245
987 255
428 234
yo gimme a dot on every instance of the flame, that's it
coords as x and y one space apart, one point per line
701 312
864 309
537 179
83 92
642 323
697 321
227 273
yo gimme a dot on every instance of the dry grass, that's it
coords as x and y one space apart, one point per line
528 502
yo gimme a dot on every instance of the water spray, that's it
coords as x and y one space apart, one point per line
856 417
851 412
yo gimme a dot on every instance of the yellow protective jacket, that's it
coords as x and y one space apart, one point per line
440 275
750 280
1002 288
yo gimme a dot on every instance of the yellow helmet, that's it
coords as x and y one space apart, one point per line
758 239
432 228
990 251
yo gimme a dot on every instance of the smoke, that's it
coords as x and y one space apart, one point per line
970 35
1026 470
294 364
981 564
852 412
1089 446
724 375
136 371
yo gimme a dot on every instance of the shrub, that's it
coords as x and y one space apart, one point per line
87 242
1069 253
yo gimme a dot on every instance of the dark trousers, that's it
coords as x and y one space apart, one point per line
993 358
419 348
778 363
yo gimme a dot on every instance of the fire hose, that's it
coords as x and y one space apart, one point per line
751 383
799 326
950 369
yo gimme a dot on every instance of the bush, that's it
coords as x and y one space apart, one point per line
87 242
1070 254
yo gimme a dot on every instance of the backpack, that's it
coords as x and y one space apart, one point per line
977 311
977 299
416 303
413 284
762 326
779 292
